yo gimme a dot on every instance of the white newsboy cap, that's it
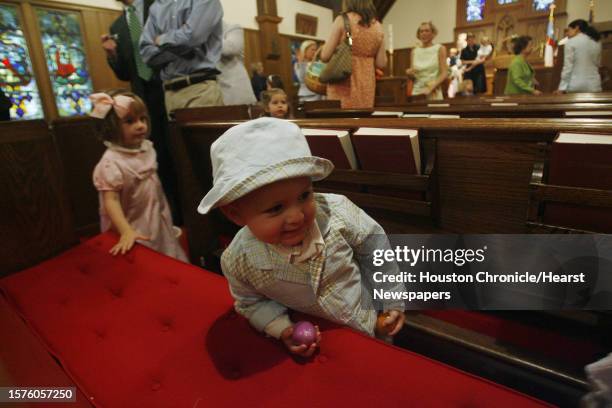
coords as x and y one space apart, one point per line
256 153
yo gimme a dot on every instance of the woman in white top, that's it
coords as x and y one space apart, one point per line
308 49
428 64
582 59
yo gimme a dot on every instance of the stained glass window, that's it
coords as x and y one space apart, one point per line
16 74
542 5
66 61
475 10
506 1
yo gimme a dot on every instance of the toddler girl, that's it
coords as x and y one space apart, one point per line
132 201
275 103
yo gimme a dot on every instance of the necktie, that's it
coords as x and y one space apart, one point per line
144 71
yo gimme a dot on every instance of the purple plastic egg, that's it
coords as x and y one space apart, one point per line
304 333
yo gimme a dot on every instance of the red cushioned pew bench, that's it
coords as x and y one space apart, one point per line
147 330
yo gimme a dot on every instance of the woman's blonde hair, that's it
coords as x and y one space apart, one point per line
109 128
305 44
432 27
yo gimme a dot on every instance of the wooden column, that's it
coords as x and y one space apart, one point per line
269 37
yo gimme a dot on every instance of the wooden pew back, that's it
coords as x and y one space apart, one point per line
483 170
80 150
490 110
35 213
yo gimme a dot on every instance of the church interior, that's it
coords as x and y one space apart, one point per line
456 123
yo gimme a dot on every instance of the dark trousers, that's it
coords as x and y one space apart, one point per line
479 78
160 136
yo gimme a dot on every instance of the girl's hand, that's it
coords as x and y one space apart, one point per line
396 320
411 72
301 350
126 242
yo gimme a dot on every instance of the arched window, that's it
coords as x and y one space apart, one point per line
542 5
474 10
17 78
66 60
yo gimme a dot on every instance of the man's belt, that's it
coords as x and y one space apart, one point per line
195 78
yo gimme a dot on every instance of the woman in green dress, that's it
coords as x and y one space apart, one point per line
521 76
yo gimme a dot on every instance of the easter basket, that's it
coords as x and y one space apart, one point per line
313 72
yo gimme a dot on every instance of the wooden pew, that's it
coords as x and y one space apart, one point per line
80 150
483 168
542 192
214 113
586 97
35 212
581 110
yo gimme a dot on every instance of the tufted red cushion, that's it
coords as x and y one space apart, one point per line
145 330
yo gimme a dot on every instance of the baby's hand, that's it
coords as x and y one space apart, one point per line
126 242
302 349
395 320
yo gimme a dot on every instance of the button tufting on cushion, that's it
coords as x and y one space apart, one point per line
214 347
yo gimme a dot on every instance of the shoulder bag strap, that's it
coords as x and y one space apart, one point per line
347 29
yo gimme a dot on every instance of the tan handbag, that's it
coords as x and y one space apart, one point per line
340 66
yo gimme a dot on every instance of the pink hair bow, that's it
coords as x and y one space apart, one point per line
102 104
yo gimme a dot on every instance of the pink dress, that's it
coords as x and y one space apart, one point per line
357 92
133 174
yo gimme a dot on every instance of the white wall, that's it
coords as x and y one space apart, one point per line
287 9
580 9
241 12
407 15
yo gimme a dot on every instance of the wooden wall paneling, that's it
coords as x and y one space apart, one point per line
252 49
35 214
286 69
605 30
269 41
401 61
97 23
